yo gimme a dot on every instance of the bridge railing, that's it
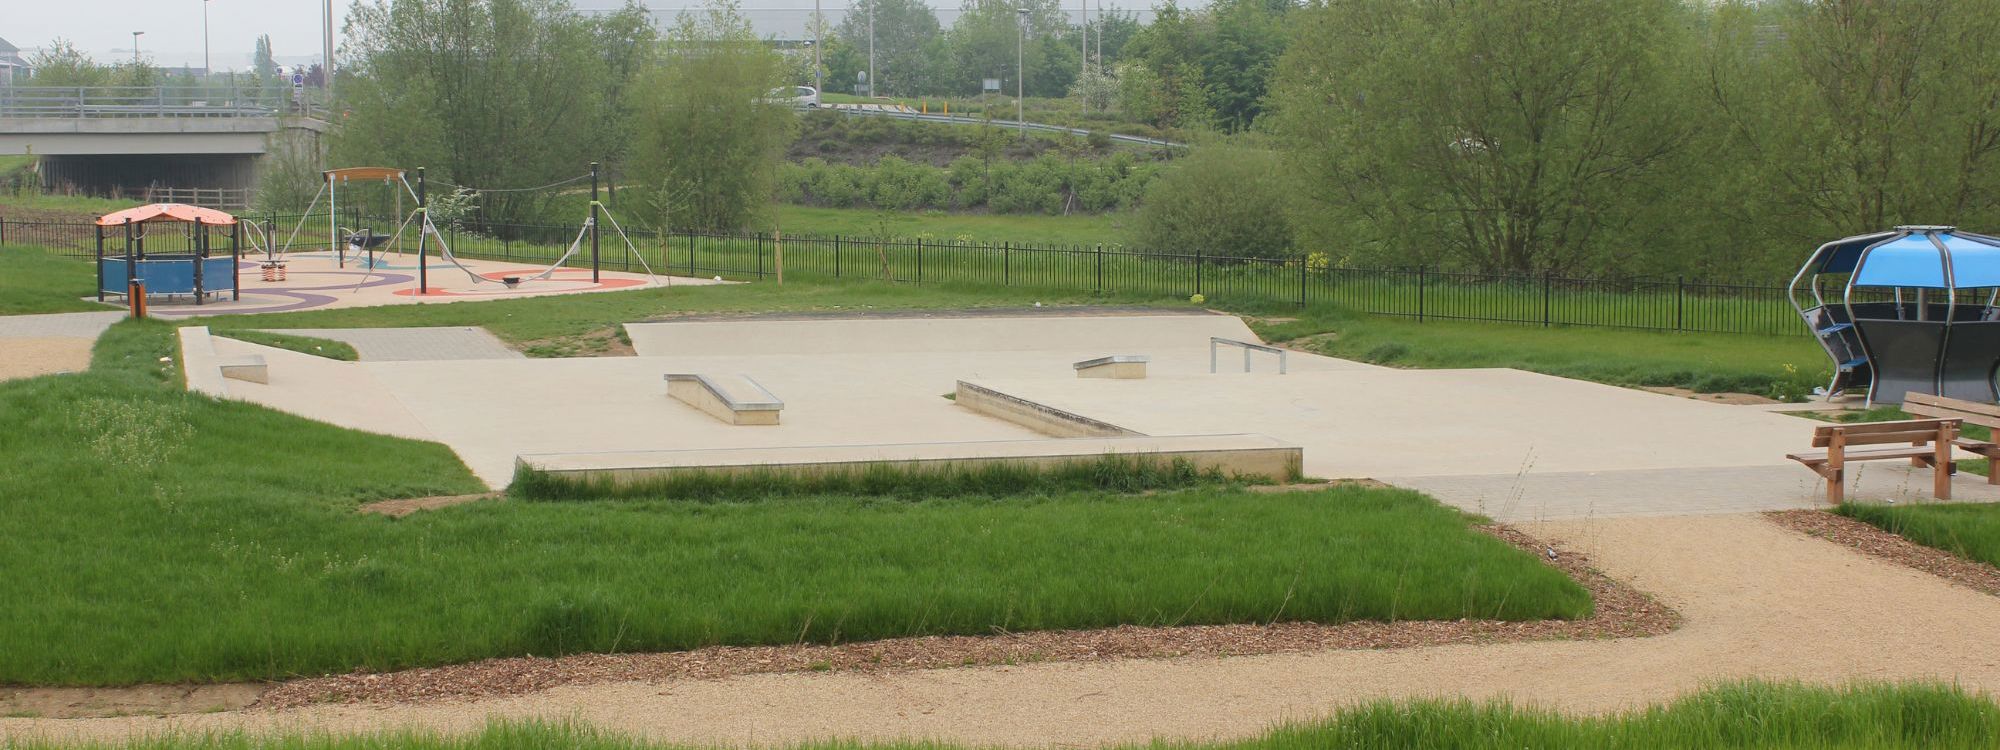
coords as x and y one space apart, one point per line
147 101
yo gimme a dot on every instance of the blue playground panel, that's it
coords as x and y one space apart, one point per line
170 274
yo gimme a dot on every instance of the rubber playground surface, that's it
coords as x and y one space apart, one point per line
318 280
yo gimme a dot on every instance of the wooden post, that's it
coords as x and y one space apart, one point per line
1836 476
1941 457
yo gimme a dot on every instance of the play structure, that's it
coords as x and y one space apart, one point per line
1911 310
183 262
360 245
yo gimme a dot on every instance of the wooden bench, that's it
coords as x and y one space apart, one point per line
1969 412
1925 442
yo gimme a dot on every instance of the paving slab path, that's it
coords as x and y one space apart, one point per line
32 345
1759 601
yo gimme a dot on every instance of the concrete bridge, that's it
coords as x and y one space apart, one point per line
129 140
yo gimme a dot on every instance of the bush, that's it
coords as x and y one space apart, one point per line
1220 200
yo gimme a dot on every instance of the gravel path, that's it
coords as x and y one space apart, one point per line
1758 600
32 345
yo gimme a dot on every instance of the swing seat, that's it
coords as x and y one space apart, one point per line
511 281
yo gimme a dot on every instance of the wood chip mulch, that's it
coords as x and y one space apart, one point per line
1621 612
1874 542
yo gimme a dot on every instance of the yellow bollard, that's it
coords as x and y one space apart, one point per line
925 105
947 107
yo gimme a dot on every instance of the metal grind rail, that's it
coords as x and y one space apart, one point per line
1215 343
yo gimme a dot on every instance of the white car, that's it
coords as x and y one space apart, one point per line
805 97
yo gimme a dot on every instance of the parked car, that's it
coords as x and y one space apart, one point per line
805 97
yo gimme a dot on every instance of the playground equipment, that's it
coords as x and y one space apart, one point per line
364 241
1916 312
187 269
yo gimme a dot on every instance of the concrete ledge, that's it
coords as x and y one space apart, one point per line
1116 367
1041 418
199 365
738 400
249 367
1244 455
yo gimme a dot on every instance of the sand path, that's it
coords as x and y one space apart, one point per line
1759 601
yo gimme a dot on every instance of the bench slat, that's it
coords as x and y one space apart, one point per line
1865 454
1927 405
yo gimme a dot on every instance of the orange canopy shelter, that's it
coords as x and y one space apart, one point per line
174 212
363 173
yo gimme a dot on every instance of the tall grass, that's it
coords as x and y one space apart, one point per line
1110 473
1968 530
1746 716
160 536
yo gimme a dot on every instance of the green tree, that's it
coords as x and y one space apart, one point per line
488 93
1506 135
262 63
902 29
1219 201
62 64
707 141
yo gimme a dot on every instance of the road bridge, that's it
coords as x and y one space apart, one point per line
130 140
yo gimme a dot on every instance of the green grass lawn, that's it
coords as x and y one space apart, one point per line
1702 362
1970 530
178 538
37 280
315 346
79 204
1081 229
1740 716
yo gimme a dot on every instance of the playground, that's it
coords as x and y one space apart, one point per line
1658 493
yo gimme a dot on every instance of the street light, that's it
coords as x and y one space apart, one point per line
871 49
135 47
206 71
819 26
1021 71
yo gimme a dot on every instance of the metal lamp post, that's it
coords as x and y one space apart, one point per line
135 47
206 71
819 25
1021 71
871 49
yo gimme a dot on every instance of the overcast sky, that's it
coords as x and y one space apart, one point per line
173 28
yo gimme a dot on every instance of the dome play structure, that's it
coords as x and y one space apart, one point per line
1912 309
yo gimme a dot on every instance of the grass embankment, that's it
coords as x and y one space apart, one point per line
42 204
312 345
179 538
1708 363
1745 716
38 280
1971 531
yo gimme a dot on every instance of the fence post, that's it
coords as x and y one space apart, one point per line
1680 299
1546 277
1197 269
760 256
836 256
1420 293
1100 266
1006 263
920 260
1302 280
691 253
3 231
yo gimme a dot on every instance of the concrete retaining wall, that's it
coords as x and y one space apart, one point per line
1047 420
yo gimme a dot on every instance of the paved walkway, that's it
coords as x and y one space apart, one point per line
84 325
1693 491
1759 601
32 345
415 344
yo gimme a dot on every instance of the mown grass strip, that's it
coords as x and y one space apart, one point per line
312 345
1745 716
1111 473
1969 530
39 280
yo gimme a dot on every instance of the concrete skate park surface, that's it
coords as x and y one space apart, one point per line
1511 444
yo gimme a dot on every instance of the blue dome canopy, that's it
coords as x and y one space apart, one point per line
1920 257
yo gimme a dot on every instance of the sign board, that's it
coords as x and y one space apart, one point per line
298 85
989 84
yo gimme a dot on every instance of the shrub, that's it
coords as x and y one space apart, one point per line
1220 200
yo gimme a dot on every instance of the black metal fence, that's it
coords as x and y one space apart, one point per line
1417 293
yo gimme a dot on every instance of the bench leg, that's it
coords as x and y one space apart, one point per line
1836 479
1992 477
1941 471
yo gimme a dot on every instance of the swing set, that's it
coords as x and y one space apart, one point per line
361 243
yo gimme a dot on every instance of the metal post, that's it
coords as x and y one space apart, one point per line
423 230
1680 299
920 260
1420 294
1100 267
819 26
593 223
1021 72
1006 263
1545 298
200 252
760 256
1302 281
98 229
236 262
1197 270
836 256
871 49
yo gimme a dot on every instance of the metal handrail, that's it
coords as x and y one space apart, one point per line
90 102
1216 341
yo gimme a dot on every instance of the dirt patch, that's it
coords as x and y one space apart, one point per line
404 507
1621 612
1733 399
603 342
1874 542
74 703
29 357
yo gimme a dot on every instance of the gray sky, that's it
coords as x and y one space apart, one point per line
174 27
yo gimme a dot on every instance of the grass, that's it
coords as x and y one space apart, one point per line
315 346
1082 229
1743 715
1969 530
1109 473
79 204
183 539
1701 362
38 280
